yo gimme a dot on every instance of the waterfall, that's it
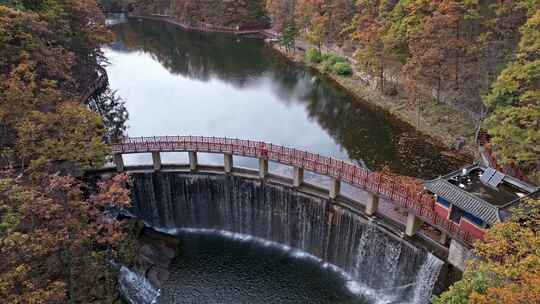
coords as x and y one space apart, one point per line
371 256
135 288
426 278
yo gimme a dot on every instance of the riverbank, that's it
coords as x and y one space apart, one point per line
444 125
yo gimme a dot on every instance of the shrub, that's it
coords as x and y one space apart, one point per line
326 67
342 68
330 63
333 59
313 55
325 56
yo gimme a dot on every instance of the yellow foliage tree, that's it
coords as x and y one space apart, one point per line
508 268
71 134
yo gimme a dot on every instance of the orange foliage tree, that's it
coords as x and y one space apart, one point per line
507 270
53 239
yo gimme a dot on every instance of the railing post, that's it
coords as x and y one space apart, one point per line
298 176
119 162
228 162
413 224
372 203
192 160
335 187
156 160
263 167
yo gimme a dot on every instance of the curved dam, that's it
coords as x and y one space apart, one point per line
374 257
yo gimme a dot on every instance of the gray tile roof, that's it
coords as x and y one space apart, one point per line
464 200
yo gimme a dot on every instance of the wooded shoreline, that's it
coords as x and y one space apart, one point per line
365 93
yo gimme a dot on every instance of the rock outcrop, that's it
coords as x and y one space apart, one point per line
156 252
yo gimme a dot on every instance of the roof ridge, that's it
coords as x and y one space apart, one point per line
466 201
496 208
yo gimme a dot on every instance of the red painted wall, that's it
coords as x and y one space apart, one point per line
442 210
471 228
465 224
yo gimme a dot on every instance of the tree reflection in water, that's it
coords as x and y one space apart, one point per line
366 134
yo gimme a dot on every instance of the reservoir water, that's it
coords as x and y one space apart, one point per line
211 84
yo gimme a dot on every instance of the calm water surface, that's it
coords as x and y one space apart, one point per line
186 83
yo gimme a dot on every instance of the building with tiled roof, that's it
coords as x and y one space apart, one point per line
477 197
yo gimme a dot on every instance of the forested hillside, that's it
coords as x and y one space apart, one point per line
55 240
50 53
478 56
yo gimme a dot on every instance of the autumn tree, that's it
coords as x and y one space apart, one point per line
54 240
500 32
508 267
74 27
311 17
282 12
435 50
71 134
371 27
324 20
514 123
289 35
306 9
50 51
340 14
316 32
34 74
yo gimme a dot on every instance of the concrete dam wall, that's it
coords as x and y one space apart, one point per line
375 258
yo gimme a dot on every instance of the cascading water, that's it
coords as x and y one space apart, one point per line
427 276
388 266
136 289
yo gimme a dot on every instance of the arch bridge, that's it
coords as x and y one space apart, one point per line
419 206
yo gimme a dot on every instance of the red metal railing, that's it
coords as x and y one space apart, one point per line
421 204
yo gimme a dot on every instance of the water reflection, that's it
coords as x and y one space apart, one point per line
180 82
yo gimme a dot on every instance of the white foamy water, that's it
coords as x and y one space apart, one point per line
387 296
136 289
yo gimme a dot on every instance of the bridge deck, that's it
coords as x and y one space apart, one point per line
391 223
419 204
